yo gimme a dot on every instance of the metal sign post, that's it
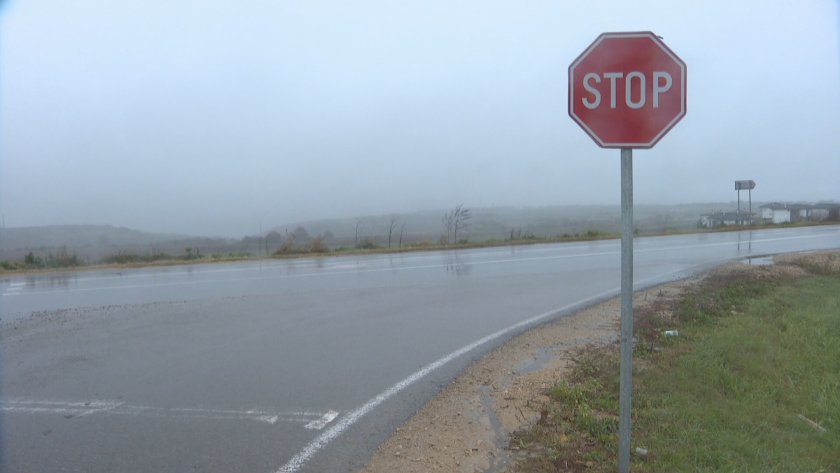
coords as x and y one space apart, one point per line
748 185
626 369
627 90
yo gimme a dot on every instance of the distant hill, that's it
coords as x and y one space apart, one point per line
91 242
78 236
499 222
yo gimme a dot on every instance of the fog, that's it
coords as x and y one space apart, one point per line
221 118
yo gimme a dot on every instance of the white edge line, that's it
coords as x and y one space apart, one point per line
316 445
416 267
300 459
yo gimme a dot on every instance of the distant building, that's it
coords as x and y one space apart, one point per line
796 212
826 211
775 213
718 219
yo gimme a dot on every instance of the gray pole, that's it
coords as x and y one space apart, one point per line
626 378
751 219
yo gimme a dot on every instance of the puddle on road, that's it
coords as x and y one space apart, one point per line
758 260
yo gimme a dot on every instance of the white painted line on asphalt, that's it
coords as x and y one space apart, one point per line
726 243
14 289
100 406
339 273
303 275
70 409
300 459
67 409
319 424
201 269
425 266
316 445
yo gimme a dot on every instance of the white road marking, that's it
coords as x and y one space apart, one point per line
423 266
202 269
14 289
300 459
69 409
348 266
316 445
100 406
319 424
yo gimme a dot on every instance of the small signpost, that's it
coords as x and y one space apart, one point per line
627 90
748 185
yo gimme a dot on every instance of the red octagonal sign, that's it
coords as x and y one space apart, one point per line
626 90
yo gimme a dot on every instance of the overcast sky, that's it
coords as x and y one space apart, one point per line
214 117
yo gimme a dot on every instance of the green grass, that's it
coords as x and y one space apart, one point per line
753 353
731 402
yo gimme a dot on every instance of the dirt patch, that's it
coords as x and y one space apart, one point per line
467 427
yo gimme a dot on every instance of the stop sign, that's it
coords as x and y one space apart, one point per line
626 90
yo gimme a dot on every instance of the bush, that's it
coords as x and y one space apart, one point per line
286 248
367 244
60 260
317 246
11 265
122 257
32 261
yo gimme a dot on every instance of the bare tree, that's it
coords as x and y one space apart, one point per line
288 244
462 220
358 224
392 224
402 232
455 221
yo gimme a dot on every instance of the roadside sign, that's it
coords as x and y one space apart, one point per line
747 185
627 90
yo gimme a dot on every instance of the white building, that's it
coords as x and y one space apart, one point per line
784 213
775 213
717 219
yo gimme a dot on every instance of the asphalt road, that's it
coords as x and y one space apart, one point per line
296 365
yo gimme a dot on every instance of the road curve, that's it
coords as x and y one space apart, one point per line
294 365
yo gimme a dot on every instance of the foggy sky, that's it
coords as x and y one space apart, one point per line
219 118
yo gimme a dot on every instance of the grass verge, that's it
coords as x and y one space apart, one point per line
756 359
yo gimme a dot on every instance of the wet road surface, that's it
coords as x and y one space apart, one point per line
296 365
